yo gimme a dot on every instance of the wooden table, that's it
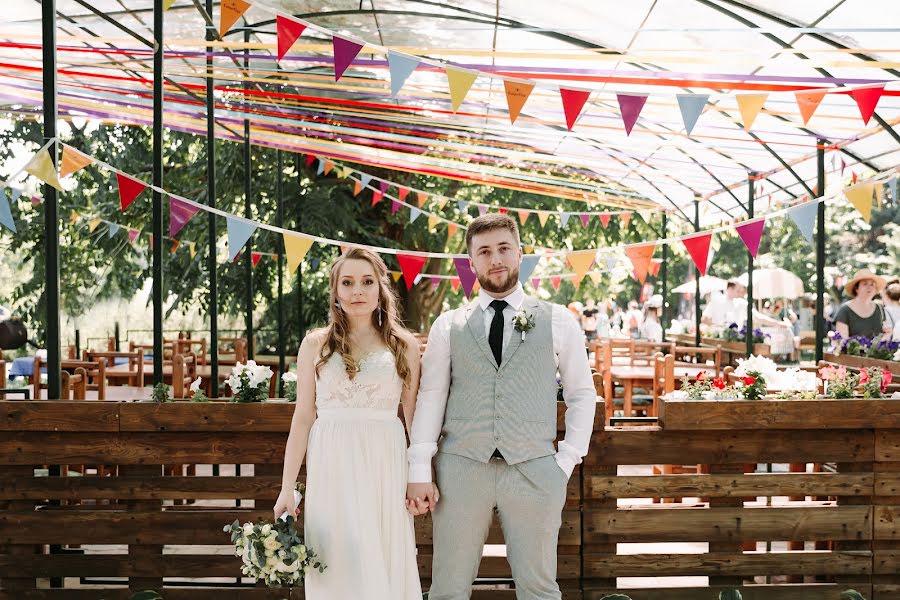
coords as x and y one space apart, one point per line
628 376
121 374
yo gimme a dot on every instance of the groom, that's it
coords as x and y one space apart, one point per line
487 409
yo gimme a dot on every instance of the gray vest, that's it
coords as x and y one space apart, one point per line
513 408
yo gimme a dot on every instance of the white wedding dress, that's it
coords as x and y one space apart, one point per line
355 513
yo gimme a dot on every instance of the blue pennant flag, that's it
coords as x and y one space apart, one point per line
564 218
805 218
691 106
321 168
6 218
365 180
414 213
463 206
893 185
238 234
113 230
611 262
314 263
401 67
526 268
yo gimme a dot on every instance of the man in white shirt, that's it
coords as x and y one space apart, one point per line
725 309
486 413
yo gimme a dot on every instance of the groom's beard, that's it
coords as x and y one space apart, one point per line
506 285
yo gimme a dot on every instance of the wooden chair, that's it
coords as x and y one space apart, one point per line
644 352
185 345
94 378
184 372
663 376
701 357
134 376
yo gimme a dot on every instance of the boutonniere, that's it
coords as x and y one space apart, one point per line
523 321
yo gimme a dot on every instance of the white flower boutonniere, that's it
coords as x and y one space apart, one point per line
523 321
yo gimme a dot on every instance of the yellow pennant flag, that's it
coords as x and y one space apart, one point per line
433 221
581 261
230 13
595 277
73 218
296 247
517 93
193 247
879 194
529 249
167 4
442 202
860 196
93 224
460 82
72 160
41 166
395 275
750 105
345 172
542 216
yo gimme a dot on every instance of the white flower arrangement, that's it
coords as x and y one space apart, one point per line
897 356
793 380
250 382
290 386
755 366
198 395
523 321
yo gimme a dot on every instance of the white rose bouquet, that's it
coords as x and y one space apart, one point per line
250 382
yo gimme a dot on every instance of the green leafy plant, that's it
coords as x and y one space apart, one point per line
730 595
160 393
852 595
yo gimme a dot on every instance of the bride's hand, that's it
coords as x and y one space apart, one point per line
285 504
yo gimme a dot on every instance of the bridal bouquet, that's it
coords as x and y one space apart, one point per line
250 382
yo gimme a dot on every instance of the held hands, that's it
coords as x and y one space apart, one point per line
286 504
421 498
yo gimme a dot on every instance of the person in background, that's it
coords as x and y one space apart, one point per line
861 315
603 321
575 308
651 330
891 298
725 309
589 319
806 314
632 320
615 320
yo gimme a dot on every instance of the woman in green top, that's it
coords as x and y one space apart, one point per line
860 315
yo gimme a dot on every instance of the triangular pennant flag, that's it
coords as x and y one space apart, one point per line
462 205
357 187
365 179
482 209
611 262
892 184
529 249
376 197
344 52
328 166
72 161
73 218
750 105
179 214
698 247
654 267
433 221
402 193
411 267
585 218
640 257
646 215
383 186
175 244
751 233
630 106
466 275
502 210
345 172
239 232
422 198
395 206
804 215
573 101
320 168
526 267
193 247
808 101
543 215
523 216
855 177
41 166
555 281
441 202
595 277
691 106
113 230
867 99
517 93
6 218
455 283
860 196
396 275
475 287
295 249
879 193
94 223
435 282
231 11
414 214
254 258
604 219
288 31
310 158
451 230
564 218
132 235
575 281
460 82
626 219
401 67
581 262
167 4
128 189
535 282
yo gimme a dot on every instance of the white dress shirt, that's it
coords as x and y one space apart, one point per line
434 389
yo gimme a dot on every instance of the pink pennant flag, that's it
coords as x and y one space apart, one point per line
535 283
466 275
698 248
395 206
555 281
604 220
179 214
345 52
630 106
867 99
132 235
573 101
288 31
585 219
751 233
626 219
435 282
411 266
383 186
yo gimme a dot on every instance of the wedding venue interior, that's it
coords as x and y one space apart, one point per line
705 191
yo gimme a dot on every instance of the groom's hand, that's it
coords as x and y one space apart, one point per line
421 498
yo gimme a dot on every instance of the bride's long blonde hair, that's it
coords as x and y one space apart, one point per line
388 326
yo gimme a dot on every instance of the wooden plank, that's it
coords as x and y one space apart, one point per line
887 562
137 488
207 416
729 563
56 415
753 484
887 445
569 532
826 591
147 548
886 522
727 524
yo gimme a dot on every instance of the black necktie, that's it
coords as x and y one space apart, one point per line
495 337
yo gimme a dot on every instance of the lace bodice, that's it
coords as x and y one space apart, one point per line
377 384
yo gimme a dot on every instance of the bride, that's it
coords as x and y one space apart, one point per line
351 375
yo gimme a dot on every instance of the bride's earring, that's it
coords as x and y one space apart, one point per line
380 310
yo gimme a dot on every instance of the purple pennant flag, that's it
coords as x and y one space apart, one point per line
395 206
435 282
344 53
466 275
585 218
383 186
751 233
482 209
630 105
179 214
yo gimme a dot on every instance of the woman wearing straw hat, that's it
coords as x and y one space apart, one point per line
861 315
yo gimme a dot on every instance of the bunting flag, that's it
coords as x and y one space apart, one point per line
646 215
526 267
345 52
535 283
879 193
564 218
630 106
466 274
310 158
654 267
523 217
6 218
604 219
451 230
611 262
175 244
376 197
462 205
357 187
595 277
460 82
112 230
433 221
626 219
239 231
804 215
395 206
421 197
543 215
132 235
555 281
691 106
383 186
573 102
401 66
441 202
455 283
575 281
502 210
193 248
581 262
254 258
41 166
365 179
585 219
396 275
403 192
411 267
329 165
751 234
698 247
482 210
179 214
288 31
129 189
867 99
94 223
414 214
640 257
72 161
860 196
750 105
73 218
808 101
231 11
167 4
320 168
892 184
517 92
295 249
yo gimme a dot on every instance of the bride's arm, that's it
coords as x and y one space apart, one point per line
304 416
408 396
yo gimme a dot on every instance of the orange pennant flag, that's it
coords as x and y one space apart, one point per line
517 93
422 197
750 105
230 13
451 230
357 187
523 216
72 161
175 244
808 101
626 219
328 166
640 257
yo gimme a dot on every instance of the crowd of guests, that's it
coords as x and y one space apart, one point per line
609 319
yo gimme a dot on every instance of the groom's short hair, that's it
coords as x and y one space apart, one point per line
490 222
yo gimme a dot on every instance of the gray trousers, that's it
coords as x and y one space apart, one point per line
529 498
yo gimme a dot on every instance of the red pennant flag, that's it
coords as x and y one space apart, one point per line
855 177
503 211
411 266
128 189
698 247
132 235
573 101
751 233
402 192
310 159
376 197
254 258
867 99
455 283
288 31
604 220
555 281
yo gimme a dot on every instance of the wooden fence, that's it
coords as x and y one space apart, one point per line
845 517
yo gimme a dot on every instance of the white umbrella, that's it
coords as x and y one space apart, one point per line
708 284
774 283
